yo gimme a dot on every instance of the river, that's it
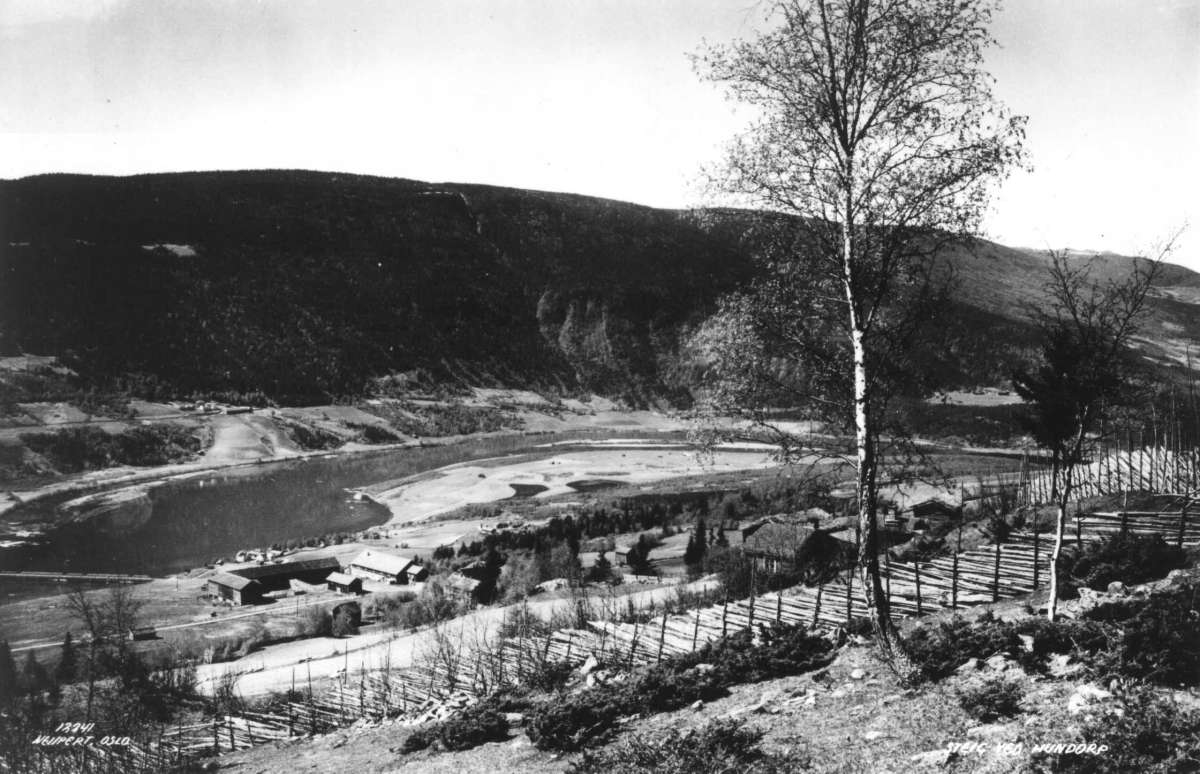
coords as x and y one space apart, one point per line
174 526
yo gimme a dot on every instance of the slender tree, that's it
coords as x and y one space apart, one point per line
877 132
8 675
34 675
67 662
1084 370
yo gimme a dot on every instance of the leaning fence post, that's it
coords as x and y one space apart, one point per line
917 570
779 607
724 613
696 629
662 636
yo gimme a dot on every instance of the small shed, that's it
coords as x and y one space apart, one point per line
340 581
932 513
143 633
236 588
416 573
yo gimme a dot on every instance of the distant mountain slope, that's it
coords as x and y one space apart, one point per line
304 285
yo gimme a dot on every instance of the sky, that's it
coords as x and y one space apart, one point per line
589 96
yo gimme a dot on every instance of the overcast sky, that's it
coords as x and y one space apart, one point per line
589 96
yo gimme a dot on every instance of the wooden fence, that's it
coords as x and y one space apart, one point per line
980 575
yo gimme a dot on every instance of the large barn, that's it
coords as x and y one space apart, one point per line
277 577
237 589
387 568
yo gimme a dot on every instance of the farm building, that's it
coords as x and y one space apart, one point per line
388 568
930 513
236 588
277 577
461 587
340 581
143 633
791 547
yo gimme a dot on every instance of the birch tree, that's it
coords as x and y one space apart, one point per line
1084 371
875 128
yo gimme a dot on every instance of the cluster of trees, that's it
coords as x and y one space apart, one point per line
90 448
100 677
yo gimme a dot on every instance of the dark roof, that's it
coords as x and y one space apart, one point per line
786 540
229 580
289 568
933 507
774 539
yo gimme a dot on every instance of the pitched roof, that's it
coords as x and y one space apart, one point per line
776 539
381 562
461 582
287 568
229 580
342 578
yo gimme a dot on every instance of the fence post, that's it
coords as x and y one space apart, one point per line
696 629
662 636
750 617
996 574
229 720
1124 522
887 575
724 613
779 607
1036 546
216 739
633 642
917 571
1182 524
817 607
849 594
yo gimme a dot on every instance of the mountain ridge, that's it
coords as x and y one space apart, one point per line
303 286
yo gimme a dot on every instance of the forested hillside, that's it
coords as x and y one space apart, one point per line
302 286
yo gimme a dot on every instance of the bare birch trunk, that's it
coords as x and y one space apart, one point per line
868 555
1059 530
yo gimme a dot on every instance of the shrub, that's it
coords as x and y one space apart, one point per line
1126 558
717 748
317 622
574 722
1142 732
989 700
476 725
1159 642
940 649
311 438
